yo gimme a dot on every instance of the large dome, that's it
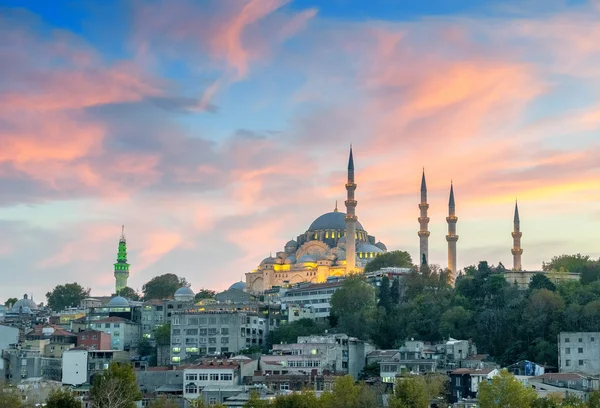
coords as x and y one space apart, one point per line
118 301
331 221
24 303
238 285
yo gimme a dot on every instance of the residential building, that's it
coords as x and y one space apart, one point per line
154 382
50 340
297 312
334 353
80 364
579 352
153 315
196 333
223 375
117 307
522 278
565 384
124 334
526 368
94 340
317 296
464 382
20 364
294 382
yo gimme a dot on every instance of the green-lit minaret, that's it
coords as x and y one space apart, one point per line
121 267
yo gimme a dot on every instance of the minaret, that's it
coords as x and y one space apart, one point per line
121 267
350 218
423 222
452 237
517 251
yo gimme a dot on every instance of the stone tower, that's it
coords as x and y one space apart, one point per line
121 267
423 224
452 237
517 251
350 218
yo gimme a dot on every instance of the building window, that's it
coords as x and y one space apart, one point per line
94 337
212 401
566 340
224 340
202 377
225 331
568 350
580 340
116 325
567 363
107 325
226 377
191 377
580 350
592 339
284 386
191 389
176 359
580 362
214 377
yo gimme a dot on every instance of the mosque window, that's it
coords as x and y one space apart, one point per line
326 234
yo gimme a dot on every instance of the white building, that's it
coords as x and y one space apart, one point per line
125 334
75 367
579 352
317 296
336 353
224 374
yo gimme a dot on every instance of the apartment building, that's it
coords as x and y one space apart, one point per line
579 352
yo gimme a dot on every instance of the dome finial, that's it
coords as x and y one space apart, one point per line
336 209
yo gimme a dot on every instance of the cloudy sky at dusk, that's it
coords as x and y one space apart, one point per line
218 130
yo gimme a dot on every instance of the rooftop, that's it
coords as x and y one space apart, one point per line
112 319
473 371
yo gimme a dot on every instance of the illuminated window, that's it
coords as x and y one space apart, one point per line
176 359
326 234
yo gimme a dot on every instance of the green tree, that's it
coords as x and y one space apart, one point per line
385 296
456 322
128 293
567 263
115 387
163 286
399 259
590 273
205 294
62 399
594 399
541 281
395 291
410 392
353 307
67 295
10 301
163 341
9 396
255 402
144 348
505 391
163 402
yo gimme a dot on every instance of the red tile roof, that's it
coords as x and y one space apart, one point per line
58 331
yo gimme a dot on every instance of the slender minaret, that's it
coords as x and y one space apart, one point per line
517 251
350 218
452 237
121 267
423 222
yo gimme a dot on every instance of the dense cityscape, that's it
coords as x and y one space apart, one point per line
299 204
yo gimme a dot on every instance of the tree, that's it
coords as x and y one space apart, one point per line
567 263
288 333
67 295
385 296
395 291
456 322
10 301
594 399
205 294
163 402
9 396
399 259
116 387
505 391
163 341
144 348
410 393
541 281
60 398
163 286
255 402
353 307
128 293
590 273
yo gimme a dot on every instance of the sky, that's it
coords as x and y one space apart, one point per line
216 131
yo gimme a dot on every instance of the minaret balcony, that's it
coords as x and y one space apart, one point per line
517 234
451 219
451 238
424 233
423 206
517 251
423 220
351 218
351 203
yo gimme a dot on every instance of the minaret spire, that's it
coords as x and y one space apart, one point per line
452 219
350 217
517 251
423 224
121 266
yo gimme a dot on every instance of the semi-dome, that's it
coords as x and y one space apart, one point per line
366 247
269 260
381 245
291 244
118 301
238 285
24 303
331 220
290 260
306 258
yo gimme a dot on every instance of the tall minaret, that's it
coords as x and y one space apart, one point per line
517 251
423 222
350 218
121 267
452 237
